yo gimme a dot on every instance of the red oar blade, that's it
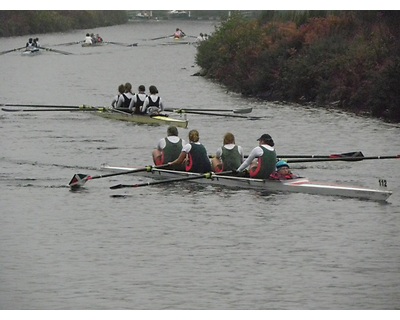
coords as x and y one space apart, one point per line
78 180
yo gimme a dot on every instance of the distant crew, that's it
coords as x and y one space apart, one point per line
98 38
119 99
178 34
36 42
229 156
264 157
138 100
194 155
88 39
30 44
168 149
153 104
200 38
128 96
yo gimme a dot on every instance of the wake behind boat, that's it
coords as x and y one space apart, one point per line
297 185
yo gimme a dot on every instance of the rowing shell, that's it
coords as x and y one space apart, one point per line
31 52
95 44
144 119
298 185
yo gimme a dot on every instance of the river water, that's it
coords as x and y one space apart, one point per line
180 246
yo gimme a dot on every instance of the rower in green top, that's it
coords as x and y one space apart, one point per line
168 149
229 156
262 159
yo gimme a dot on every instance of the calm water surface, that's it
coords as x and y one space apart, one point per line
180 246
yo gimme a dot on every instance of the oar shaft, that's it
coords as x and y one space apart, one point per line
217 114
187 110
208 175
38 105
48 110
343 159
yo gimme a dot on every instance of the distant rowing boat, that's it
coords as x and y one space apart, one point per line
298 185
144 119
95 44
31 52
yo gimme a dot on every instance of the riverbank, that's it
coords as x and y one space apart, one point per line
348 60
24 22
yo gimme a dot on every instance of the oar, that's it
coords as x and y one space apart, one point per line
343 159
79 179
58 108
122 44
43 105
68 43
183 110
162 37
217 114
54 50
8 51
292 156
50 110
337 155
207 175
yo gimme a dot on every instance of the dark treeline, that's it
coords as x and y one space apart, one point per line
18 23
346 59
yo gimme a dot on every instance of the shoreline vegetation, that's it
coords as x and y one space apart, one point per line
24 22
346 60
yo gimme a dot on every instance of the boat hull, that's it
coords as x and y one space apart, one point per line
299 185
97 44
31 52
143 119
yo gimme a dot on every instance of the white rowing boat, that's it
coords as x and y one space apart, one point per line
298 185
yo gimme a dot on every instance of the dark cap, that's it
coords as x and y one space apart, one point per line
265 137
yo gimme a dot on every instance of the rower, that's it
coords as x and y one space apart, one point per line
229 156
138 100
264 156
153 104
88 39
168 149
179 33
195 155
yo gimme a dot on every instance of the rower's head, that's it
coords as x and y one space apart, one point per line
229 138
172 131
142 88
121 88
128 87
194 136
153 90
282 164
266 139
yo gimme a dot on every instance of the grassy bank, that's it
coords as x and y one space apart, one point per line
346 59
